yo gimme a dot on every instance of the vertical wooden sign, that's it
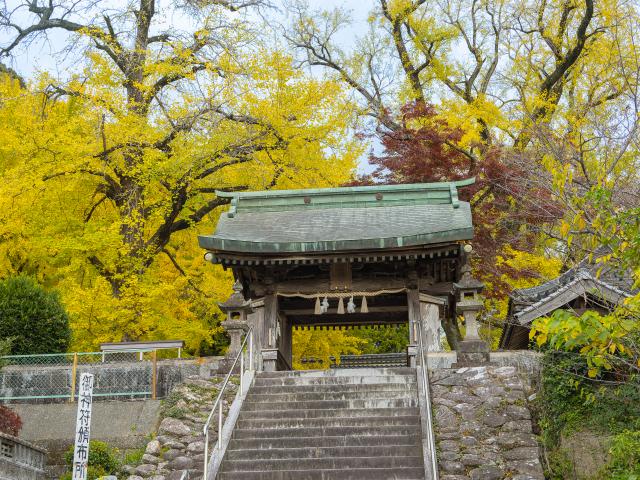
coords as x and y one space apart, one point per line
83 427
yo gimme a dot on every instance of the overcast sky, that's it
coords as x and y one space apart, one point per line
42 56
46 56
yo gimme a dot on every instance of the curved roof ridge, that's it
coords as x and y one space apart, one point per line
407 187
586 267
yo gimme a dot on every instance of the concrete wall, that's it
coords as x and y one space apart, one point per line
20 460
113 380
123 424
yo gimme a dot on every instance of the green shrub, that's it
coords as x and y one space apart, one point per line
570 401
134 457
33 317
624 462
103 460
92 473
560 466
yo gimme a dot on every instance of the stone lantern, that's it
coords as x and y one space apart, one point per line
237 310
472 350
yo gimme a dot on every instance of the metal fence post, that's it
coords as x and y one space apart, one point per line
219 427
251 350
74 374
206 454
241 370
154 374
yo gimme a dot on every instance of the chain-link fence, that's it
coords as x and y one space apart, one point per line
131 373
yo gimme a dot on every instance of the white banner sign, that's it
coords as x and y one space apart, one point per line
83 427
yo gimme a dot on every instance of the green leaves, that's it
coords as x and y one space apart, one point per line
603 340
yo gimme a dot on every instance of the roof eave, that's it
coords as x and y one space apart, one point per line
213 243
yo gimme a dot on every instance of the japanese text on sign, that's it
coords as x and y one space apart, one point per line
83 427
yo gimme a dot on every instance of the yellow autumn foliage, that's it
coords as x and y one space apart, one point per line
322 345
62 158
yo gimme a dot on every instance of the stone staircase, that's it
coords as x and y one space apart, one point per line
337 424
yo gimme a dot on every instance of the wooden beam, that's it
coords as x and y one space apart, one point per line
350 319
310 311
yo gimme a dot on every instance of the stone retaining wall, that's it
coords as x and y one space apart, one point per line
483 424
180 443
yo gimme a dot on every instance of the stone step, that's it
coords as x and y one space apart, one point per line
325 452
340 412
332 387
340 372
337 424
398 473
255 465
334 404
326 441
293 432
345 380
328 422
371 392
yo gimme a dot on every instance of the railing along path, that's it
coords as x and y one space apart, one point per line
431 441
248 339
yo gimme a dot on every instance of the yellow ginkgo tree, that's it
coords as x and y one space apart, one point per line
110 174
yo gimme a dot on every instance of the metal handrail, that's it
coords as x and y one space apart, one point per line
427 393
218 403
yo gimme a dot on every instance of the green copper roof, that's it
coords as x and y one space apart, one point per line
339 219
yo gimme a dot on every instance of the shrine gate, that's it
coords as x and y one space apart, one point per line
344 257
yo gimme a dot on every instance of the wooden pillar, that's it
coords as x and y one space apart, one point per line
256 320
413 312
269 332
286 329
270 320
413 306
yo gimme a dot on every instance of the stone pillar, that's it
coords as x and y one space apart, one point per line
236 330
430 319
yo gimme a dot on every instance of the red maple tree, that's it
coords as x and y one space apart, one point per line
509 202
10 421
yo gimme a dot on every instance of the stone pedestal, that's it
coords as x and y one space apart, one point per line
412 354
269 359
236 329
472 353
224 366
